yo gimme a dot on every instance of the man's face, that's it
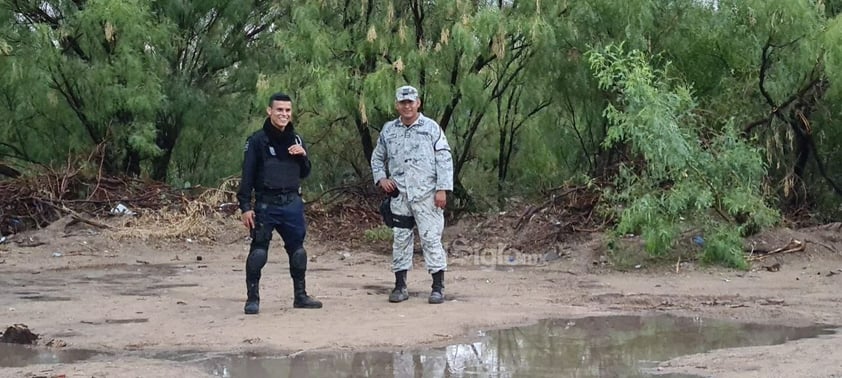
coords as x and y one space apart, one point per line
408 109
280 113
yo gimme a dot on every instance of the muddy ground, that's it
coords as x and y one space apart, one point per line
137 296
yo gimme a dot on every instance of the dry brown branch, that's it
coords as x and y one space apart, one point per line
77 216
791 247
530 212
823 245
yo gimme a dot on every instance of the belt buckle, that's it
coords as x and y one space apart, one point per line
281 199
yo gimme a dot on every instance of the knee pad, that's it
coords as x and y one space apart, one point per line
261 236
298 259
256 260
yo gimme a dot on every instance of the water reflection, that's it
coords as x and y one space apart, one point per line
586 347
15 355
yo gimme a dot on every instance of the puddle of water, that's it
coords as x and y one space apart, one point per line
45 298
126 321
141 280
14 355
171 286
139 293
594 346
118 276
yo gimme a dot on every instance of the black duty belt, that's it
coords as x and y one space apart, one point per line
279 198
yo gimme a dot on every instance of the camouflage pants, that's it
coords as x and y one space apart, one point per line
429 220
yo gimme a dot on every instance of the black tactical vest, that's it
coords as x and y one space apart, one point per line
279 172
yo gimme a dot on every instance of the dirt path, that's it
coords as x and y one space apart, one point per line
136 299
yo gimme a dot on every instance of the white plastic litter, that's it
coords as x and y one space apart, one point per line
121 209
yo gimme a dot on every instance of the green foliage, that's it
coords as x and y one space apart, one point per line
833 56
132 76
171 89
141 139
380 233
723 246
686 182
465 58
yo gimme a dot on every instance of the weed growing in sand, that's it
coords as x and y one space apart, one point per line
380 233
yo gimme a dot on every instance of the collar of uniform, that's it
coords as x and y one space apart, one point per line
418 121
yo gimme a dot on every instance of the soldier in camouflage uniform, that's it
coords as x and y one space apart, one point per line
415 151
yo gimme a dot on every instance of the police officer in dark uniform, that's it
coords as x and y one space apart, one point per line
275 162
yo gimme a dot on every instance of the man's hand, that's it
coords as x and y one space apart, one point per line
441 199
297 149
248 219
387 185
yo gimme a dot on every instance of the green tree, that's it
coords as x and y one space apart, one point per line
356 54
132 76
212 62
169 89
101 79
685 182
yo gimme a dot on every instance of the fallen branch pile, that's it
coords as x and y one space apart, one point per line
161 211
791 247
344 213
567 210
30 202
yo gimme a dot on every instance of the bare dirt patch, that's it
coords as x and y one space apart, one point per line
136 294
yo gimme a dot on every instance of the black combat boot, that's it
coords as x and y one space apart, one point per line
253 302
254 263
302 300
399 293
437 296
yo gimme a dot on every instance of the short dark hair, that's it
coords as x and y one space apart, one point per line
279 97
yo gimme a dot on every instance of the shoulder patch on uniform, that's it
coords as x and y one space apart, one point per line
246 147
441 143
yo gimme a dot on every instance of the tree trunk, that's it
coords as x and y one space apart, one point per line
131 163
166 140
8 171
365 138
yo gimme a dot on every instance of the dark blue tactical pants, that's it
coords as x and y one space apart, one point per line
288 220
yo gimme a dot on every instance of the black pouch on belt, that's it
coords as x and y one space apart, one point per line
394 220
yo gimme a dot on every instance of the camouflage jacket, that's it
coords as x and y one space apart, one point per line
417 157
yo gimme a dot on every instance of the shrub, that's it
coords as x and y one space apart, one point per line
683 176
